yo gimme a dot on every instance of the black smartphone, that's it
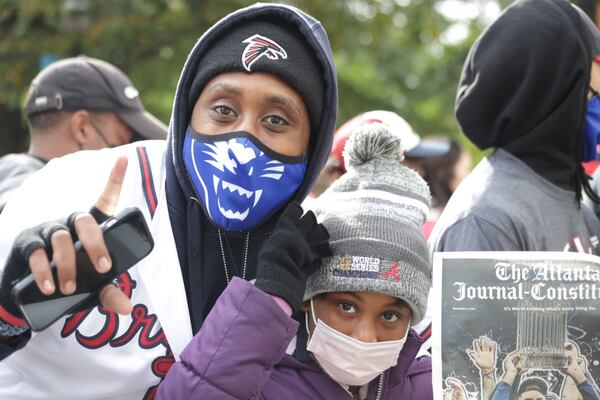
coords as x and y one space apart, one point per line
127 239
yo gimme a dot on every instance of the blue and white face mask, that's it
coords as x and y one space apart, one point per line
592 129
239 181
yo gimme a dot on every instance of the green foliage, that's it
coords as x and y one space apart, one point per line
389 54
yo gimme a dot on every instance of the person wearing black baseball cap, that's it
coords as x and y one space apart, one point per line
78 103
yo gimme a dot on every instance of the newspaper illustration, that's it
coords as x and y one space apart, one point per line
516 325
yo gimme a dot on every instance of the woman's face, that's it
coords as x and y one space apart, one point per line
368 317
258 103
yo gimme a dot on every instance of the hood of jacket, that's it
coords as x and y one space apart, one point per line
524 88
316 37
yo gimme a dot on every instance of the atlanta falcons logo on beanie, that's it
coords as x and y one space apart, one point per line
248 47
258 46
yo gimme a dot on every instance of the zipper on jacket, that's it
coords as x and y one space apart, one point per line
379 387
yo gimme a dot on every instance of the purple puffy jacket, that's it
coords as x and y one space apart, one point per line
240 353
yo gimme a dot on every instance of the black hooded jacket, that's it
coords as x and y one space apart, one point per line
523 91
524 88
195 236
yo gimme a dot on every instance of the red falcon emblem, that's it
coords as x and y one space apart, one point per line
258 46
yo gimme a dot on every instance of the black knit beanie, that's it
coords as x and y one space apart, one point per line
270 45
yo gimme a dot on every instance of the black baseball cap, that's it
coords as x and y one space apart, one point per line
85 83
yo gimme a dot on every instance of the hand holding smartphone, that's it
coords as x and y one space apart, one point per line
127 239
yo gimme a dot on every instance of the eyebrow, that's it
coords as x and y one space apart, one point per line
225 87
352 294
285 102
271 99
398 303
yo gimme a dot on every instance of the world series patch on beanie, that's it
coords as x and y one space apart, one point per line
374 215
270 45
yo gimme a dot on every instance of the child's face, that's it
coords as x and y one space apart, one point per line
258 103
368 317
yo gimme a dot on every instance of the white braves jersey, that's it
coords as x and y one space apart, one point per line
98 354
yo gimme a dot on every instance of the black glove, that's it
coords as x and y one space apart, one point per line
37 237
291 254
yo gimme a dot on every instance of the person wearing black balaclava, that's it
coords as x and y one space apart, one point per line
529 91
251 128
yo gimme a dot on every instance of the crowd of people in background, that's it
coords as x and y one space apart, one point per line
79 103
291 260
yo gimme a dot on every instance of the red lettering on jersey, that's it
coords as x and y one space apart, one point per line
141 322
111 323
144 322
110 328
160 367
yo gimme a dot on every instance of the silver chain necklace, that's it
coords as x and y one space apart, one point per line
225 260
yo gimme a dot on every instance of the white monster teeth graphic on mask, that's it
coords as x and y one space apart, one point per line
242 192
233 215
233 188
257 195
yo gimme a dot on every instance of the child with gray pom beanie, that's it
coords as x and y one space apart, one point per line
361 296
363 299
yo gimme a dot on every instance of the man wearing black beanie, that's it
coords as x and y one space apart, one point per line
251 128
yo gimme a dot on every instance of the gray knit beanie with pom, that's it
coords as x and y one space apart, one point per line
374 215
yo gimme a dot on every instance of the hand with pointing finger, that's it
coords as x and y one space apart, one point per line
35 247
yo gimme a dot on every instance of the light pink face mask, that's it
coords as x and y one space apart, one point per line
349 361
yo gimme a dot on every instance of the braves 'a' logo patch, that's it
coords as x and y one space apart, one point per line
258 46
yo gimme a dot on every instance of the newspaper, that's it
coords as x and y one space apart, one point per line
516 325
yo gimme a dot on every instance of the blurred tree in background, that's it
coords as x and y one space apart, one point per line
401 55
